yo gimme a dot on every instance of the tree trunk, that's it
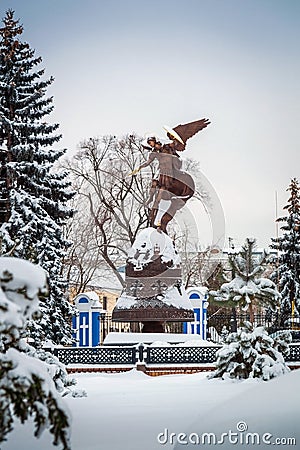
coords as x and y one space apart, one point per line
251 313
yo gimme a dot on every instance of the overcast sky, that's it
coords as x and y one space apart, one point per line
123 66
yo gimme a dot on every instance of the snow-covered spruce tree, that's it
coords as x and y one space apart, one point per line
33 193
252 353
27 386
247 286
287 273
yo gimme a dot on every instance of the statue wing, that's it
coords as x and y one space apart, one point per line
188 130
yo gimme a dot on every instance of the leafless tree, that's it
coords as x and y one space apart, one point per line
111 204
84 260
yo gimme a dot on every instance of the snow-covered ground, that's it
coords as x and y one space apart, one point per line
128 411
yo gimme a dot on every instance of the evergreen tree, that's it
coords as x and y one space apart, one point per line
287 273
33 193
247 286
252 353
29 383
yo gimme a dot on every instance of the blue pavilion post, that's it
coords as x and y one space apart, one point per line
87 320
199 299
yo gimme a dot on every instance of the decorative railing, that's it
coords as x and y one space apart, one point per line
294 355
96 355
272 321
134 327
130 355
181 355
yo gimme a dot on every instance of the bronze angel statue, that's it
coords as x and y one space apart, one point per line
172 187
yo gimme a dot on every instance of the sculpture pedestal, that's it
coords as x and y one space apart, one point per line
153 293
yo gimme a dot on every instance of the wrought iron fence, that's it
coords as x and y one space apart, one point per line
130 355
134 327
96 355
218 325
294 355
181 355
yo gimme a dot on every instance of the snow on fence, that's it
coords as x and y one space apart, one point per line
148 355
96 355
181 355
219 324
130 355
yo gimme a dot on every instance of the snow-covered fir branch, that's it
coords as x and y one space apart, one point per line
247 287
36 193
29 385
287 271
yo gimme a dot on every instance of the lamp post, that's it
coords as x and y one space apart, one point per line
102 323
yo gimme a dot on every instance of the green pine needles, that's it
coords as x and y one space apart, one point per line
27 385
287 272
252 353
247 286
34 194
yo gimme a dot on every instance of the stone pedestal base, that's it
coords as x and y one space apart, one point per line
153 292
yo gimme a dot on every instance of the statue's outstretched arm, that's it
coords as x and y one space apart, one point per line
145 164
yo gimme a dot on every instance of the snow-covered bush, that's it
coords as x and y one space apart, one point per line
224 334
55 368
247 286
26 386
252 353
